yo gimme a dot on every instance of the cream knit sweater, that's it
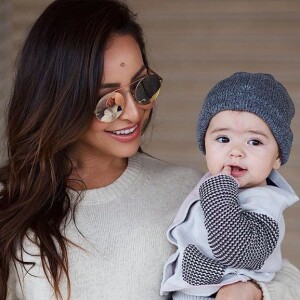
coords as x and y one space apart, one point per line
123 233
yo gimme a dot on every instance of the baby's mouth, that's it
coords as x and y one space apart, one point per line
236 168
237 171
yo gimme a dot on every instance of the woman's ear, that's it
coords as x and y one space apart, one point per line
277 163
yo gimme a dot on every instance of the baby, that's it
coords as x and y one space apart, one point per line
230 227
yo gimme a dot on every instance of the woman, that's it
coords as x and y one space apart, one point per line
83 211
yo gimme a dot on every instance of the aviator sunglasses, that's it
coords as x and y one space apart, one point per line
144 91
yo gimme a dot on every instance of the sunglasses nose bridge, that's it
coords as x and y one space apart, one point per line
127 92
131 110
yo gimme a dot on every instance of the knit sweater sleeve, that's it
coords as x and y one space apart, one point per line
241 239
13 286
285 284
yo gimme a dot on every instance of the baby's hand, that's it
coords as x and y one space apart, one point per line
226 170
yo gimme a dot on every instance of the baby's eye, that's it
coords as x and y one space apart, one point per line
223 139
255 142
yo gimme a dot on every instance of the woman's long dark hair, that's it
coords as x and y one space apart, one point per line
55 92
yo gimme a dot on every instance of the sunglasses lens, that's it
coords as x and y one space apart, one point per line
148 89
110 107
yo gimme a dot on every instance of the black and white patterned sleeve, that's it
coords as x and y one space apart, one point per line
238 238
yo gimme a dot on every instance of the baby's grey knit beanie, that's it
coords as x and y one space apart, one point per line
256 93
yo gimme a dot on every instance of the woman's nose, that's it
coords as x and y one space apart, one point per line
131 111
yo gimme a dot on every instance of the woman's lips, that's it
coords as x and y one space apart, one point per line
125 135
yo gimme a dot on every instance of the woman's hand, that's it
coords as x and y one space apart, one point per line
240 291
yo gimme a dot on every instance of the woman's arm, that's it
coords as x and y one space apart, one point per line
285 286
13 284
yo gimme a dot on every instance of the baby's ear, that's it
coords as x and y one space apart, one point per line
277 163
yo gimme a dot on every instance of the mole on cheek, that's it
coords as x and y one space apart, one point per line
122 64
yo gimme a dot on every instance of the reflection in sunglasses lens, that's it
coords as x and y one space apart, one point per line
109 107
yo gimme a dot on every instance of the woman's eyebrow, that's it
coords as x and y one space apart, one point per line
109 85
117 85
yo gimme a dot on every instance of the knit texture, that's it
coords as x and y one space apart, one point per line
122 234
199 269
245 239
288 278
224 234
256 93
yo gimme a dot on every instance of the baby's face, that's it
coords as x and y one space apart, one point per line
242 143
